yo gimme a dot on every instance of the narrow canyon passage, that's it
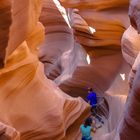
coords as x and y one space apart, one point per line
52 51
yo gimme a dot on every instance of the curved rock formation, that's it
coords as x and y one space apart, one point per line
96 4
58 38
33 105
29 102
130 45
5 22
134 70
8 133
59 52
99 32
108 36
109 26
134 14
130 125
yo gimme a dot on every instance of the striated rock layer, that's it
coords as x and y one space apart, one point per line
5 22
130 45
130 127
94 4
33 106
109 22
29 102
8 133
99 32
59 52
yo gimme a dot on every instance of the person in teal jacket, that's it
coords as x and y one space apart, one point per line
86 129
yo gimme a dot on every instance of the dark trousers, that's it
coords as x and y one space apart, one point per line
95 113
86 139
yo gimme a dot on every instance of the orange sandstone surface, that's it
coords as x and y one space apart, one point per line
82 43
29 102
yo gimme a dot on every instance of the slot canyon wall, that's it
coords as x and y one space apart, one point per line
37 100
98 30
29 102
98 26
130 123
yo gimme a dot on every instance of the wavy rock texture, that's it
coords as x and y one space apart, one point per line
34 105
109 26
29 102
104 49
103 46
134 70
59 53
130 124
134 13
107 36
94 4
130 45
58 38
8 133
109 21
5 22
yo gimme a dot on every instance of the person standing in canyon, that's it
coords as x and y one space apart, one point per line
86 129
92 98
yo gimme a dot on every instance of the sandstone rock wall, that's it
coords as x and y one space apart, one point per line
130 45
94 4
130 124
99 32
59 52
108 18
33 105
29 102
5 22
8 133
